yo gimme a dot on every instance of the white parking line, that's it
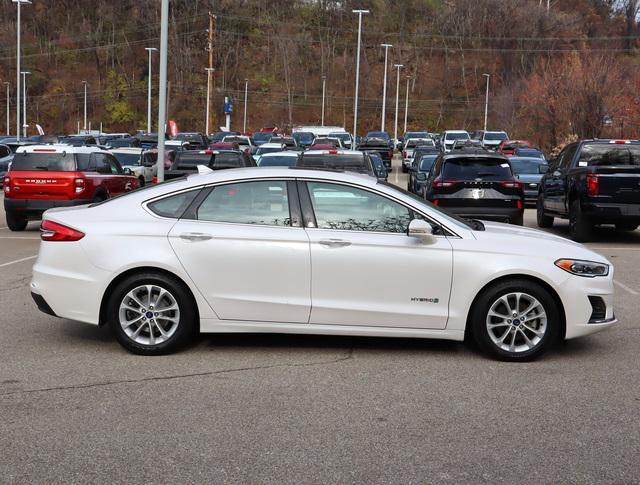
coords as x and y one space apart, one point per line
626 288
18 261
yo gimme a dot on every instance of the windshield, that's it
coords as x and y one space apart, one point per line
352 163
476 168
495 136
456 136
188 159
58 162
529 152
262 150
262 136
526 166
418 142
303 137
609 155
188 137
342 136
378 134
128 159
277 161
416 134
426 162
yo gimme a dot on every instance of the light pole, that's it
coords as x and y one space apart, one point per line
18 50
24 101
486 102
206 123
406 105
355 98
84 123
150 50
384 85
395 131
7 84
162 91
246 92
324 90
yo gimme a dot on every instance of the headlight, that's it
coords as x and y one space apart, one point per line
583 268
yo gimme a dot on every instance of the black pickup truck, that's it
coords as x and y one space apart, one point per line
592 182
187 161
379 145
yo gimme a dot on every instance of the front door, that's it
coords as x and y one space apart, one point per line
243 251
366 270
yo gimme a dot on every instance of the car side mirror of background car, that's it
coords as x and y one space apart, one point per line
544 168
127 171
421 176
421 229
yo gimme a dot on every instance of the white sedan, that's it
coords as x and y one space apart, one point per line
313 252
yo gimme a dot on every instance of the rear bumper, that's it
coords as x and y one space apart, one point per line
42 305
34 208
605 212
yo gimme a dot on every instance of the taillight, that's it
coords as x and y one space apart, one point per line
511 184
519 204
443 183
52 231
7 184
593 185
436 202
79 182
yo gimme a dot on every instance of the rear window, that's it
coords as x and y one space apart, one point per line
477 168
526 166
262 150
457 136
189 159
493 136
262 136
277 161
52 162
352 163
302 136
227 160
128 159
608 155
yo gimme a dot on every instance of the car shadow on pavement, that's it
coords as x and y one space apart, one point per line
600 234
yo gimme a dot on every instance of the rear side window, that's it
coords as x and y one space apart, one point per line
609 155
52 162
173 206
227 160
477 168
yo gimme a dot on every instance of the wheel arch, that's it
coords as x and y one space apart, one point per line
141 269
519 276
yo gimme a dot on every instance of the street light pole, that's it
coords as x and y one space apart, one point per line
150 50
246 92
206 123
486 102
384 85
406 106
355 98
24 102
395 131
324 89
162 91
84 123
7 84
18 50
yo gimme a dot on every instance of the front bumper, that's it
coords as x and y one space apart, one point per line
34 208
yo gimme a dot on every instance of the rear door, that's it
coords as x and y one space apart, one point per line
244 248
556 183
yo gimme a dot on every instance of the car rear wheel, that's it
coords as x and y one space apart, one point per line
518 221
626 226
15 222
515 320
151 314
579 226
543 220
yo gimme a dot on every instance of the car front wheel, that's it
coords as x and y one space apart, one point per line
151 314
542 219
515 320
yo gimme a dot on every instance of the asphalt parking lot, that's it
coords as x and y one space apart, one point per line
76 407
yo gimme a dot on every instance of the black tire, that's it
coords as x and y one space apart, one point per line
479 324
518 221
544 221
404 168
15 222
626 226
580 228
99 197
141 181
179 336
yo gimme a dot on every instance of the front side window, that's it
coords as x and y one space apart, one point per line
342 207
263 203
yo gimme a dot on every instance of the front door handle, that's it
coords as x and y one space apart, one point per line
195 236
335 243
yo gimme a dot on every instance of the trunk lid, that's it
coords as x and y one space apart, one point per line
42 185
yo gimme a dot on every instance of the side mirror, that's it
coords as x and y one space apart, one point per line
127 171
421 230
421 176
543 168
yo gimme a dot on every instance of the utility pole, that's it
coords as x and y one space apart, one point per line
406 105
18 51
355 97
210 69
7 84
162 104
395 131
246 91
150 50
84 124
24 101
384 85
324 90
486 102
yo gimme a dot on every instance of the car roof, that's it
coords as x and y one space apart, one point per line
271 145
283 153
337 151
60 148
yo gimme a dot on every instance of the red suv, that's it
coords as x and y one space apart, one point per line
46 176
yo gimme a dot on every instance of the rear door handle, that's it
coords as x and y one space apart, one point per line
195 236
335 243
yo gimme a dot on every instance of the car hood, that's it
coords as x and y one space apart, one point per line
527 241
